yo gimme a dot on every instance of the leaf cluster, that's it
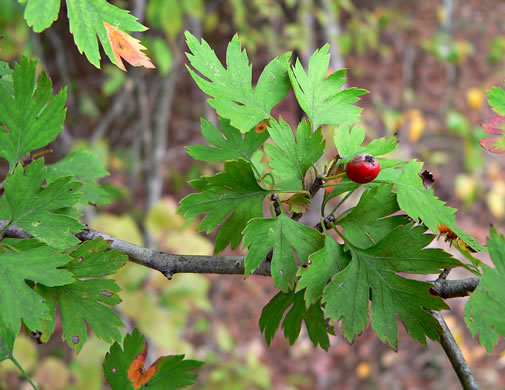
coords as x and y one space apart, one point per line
355 268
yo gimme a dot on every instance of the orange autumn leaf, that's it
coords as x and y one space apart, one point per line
126 47
137 374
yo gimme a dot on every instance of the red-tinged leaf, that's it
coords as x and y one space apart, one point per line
493 144
5 127
137 374
495 125
126 47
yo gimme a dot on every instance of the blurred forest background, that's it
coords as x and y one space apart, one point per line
427 65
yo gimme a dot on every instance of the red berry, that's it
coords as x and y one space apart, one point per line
362 168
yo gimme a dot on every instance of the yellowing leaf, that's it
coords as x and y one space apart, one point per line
126 47
417 125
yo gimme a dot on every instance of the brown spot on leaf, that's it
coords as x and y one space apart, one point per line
261 127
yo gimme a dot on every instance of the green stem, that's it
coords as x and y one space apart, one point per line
323 225
23 371
341 202
334 176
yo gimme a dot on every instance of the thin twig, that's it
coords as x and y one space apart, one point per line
455 356
115 110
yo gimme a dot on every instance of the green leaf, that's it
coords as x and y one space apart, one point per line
272 314
496 99
321 267
292 323
234 194
320 98
421 203
168 373
33 116
348 143
380 146
40 14
34 209
316 326
284 235
86 19
85 166
7 338
17 299
372 274
87 300
92 258
291 159
369 221
313 317
230 145
486 304
173 372
6 77
233 96
348 140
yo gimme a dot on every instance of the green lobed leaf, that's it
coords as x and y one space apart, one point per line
85 166
320 97
35 209
291 159
483 311
348 140
17 299
231 198
313 317
92 258
321 267
371 220
33 116
86 19
171 372
372 274
87 300
231 91
40 14
284 235
229 145
348 143
421 203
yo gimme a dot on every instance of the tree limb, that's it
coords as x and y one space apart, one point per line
455 356
170 264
